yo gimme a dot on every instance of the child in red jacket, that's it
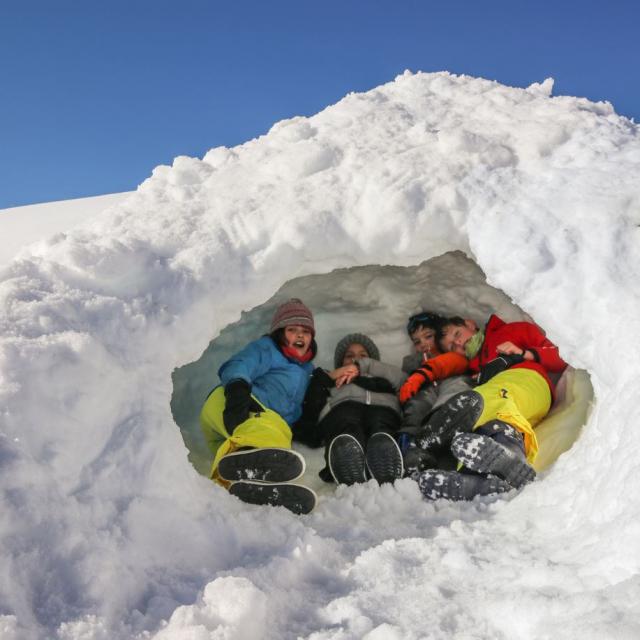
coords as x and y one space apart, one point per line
491 429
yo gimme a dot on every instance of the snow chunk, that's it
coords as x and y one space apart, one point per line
542 89
229 608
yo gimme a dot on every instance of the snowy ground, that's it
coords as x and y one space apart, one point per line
106 526
23 226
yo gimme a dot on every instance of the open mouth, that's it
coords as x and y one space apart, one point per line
299 344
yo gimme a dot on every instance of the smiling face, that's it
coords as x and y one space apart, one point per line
424 341
354 352
298 338
456 337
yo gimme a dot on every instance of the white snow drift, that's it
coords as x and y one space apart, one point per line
20 226
106 527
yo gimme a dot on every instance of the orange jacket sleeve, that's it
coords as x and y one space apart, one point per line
445 365
438 368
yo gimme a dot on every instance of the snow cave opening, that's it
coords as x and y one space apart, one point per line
375 300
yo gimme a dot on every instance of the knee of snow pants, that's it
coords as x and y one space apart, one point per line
520 397
448 387
380 419
415 410
264 429
428 399
346 417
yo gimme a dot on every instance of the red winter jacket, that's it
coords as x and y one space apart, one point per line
526 336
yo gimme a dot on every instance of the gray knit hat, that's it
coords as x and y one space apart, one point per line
353 338
293 311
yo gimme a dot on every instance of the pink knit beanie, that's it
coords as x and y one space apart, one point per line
293 311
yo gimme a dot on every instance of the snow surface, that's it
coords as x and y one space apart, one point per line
108 531
21 226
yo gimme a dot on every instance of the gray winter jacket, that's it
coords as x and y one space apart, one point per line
369 368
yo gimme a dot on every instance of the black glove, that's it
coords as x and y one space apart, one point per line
497 365
238 404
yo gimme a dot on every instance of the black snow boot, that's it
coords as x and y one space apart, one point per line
267 465
294 497
495 448
457 415
453 485
383 458
325 474
416 460
346 460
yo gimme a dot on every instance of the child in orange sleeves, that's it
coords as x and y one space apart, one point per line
434 377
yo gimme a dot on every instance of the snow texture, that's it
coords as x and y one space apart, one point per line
107 529
21 226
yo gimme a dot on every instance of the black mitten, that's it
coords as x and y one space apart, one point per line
238 401
497 365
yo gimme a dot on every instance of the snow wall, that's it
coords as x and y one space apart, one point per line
106 528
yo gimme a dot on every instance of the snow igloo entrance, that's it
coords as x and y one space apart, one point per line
376 300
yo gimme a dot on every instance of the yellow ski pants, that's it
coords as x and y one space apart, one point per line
520 397
264 429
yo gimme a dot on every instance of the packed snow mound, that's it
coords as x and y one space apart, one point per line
106 526
22 226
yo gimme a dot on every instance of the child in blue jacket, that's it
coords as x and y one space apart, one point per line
246 420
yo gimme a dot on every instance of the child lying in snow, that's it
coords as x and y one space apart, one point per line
246 420
490 430
354 411
419 397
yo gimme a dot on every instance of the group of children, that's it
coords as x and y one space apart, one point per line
458 417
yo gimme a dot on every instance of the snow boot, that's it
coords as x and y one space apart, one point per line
383 458
416 460
294 497
346 460
267 465
325 474
457 415
501 453
453 485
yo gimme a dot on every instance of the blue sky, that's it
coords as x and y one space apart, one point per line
94 94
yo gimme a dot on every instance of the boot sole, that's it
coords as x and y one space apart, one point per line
455 486
481 453
294 497
384 458
346 460
458 414
266 465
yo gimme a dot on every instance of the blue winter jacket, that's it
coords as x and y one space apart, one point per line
277 382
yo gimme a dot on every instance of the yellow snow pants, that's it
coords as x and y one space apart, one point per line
265 429
520 397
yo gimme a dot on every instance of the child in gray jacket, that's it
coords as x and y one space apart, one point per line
354 410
